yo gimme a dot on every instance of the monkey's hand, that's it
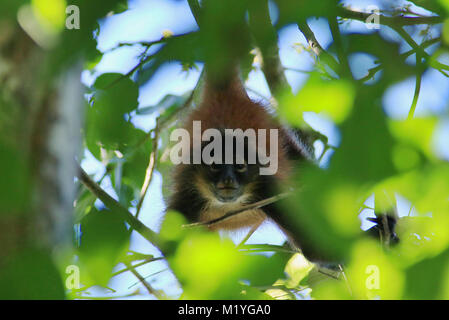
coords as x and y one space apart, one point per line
384 229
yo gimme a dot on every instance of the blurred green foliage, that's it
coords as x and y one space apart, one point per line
104 242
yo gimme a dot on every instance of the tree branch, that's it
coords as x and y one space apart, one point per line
417 86
112 204
150 169
195 8
142 280
345 70
251 206
388 21
317 48
266 39
374 70
433 63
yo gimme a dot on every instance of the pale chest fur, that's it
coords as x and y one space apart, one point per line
244 219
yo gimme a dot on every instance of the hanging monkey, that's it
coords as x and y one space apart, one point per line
208 189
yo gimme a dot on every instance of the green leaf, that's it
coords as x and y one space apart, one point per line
171 229
134 162
116 91
121 6
273 268
170 101
333 98
424 279
365 154
417 133
373 275
84 203
108 129
207 267
184 48
297 270
104 242
427 188
323 210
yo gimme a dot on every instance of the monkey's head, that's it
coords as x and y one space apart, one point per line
222 181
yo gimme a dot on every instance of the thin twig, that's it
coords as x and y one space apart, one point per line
136 266
345 70
343 273
252 206
297 70
434 64
266 38
317 48
81 297
265 248
148 44
150 169
374 70
417 86
142 280
385 20
150 275
250 233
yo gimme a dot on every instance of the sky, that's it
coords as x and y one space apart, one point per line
146 20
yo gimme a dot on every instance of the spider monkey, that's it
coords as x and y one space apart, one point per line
206 191
202 191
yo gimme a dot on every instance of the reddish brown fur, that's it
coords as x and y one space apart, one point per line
231 108
226 107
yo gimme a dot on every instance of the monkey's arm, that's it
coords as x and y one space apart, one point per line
188 203
299 238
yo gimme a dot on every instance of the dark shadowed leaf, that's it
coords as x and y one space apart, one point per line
104 241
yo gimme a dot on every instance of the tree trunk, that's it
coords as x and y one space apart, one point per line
39 128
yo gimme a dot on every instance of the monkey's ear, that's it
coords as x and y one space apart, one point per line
228 82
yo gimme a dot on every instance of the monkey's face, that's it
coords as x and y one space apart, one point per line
229 182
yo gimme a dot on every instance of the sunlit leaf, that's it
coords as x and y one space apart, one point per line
446 31
51 13
297 269
427 188
423 237
83 205
207 267
331 98
372 275
417 132
171 228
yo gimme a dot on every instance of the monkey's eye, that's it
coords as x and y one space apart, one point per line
241 167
